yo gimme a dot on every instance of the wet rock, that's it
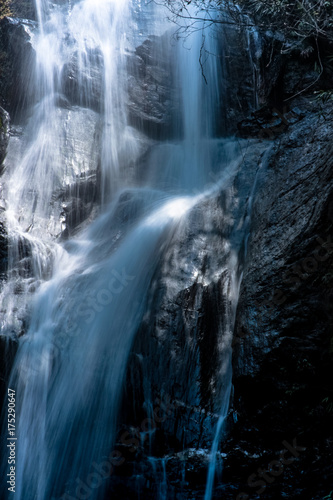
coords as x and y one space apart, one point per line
24 9
240 61
175 362
183 326
3 247
151 92
282 346
8 348
161 476
287 70
4 135
283 336
268 123
154 92
288 248
75 156
82 79
17 65
81 198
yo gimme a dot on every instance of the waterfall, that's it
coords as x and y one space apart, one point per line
84 298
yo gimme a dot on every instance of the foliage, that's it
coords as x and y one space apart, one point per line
301 18
324 95
5 8
297 20
329 404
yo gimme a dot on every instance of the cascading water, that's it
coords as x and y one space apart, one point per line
71 362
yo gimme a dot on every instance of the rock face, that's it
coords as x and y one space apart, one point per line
84 88
8 348
268 123
288 73
297 248
4 135
151 104
4 139
17 61
76 141
176 361
240 59
3 248
282 347
24 9
185 320
283 336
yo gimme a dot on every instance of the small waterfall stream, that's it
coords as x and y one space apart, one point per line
83 299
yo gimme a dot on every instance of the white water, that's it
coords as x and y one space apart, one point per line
71 363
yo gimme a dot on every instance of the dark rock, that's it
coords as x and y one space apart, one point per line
283 335
240 57
17 65
287 69
82 79
184 321
80 201
4 135
24 9
300 75
3 248
154 91
151 92
303 188
268 123
8 348
175 363
283 338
